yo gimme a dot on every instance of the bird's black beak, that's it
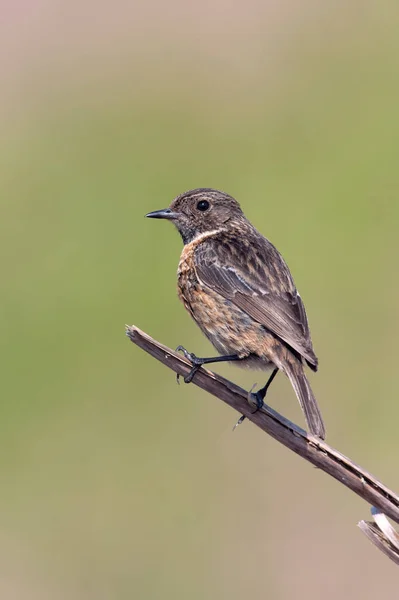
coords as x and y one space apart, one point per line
165 213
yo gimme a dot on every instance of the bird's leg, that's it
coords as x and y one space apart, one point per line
198 362
258 396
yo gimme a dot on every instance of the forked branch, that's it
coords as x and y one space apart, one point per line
296 439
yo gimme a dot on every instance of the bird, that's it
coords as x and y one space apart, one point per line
239 290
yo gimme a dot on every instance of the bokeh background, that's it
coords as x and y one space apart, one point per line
116 483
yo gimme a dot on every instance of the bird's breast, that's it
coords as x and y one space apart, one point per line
231 330
188 284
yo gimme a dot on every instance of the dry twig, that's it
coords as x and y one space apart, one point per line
296 439
382 534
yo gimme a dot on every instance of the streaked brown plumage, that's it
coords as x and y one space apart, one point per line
240 292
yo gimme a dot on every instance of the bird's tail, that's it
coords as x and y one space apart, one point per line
293 368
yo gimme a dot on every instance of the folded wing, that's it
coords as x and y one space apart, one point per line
256 278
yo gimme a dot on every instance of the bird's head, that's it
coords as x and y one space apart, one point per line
200 211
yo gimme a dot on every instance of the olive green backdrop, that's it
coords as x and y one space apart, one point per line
115 482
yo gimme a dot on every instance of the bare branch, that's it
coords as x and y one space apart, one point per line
382 534
287 433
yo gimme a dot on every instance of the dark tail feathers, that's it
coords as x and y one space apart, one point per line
294 371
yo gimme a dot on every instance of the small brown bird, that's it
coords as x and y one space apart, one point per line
239 290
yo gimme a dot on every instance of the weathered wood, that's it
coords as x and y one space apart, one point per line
281 429
382 534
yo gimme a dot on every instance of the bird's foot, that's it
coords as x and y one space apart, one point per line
258 397
195 361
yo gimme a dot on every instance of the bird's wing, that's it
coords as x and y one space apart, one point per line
252 274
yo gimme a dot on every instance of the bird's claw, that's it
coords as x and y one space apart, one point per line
195 361
243 417
240 420
185 353
258 401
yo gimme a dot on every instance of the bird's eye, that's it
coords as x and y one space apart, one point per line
203 205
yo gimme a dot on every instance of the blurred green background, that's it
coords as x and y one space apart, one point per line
116 483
